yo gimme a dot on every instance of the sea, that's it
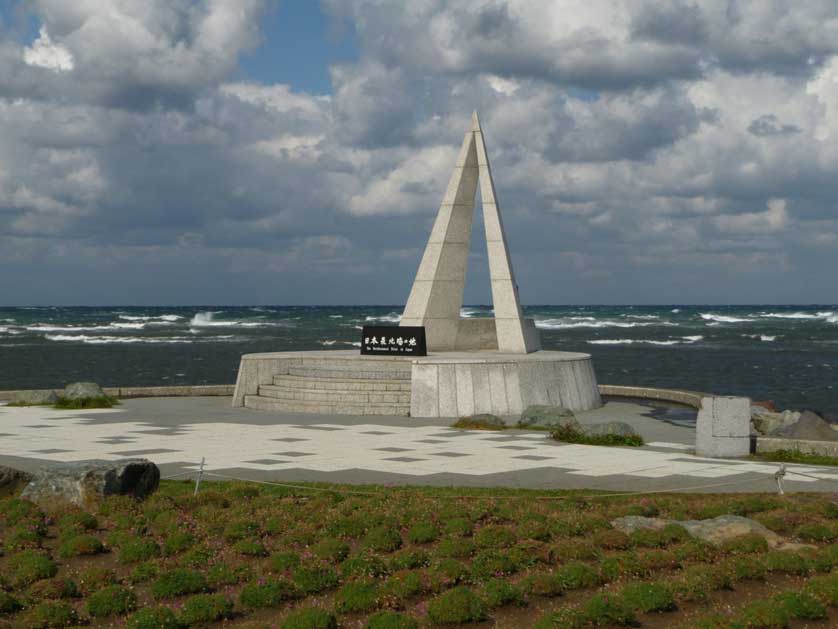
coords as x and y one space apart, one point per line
787 354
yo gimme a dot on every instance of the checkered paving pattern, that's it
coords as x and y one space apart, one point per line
48 434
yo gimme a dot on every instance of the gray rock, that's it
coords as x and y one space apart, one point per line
610 428
548 418
35 397
714 530
87 483
809 427
766 422
82 390
12 481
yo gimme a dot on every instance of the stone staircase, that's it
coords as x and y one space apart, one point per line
338 388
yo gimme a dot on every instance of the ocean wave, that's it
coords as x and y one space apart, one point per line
328 342
762 337
388 318
353 343
169 318
45 327
794 315
128 326
675 310
207 320
106 340
336 316
716 318
684 340
564 324
631 316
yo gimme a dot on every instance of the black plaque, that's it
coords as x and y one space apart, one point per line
392 340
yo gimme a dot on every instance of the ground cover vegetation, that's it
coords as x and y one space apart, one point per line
795 456
248 555
63 404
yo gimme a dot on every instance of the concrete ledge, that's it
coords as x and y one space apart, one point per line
805 446
689 398
135 392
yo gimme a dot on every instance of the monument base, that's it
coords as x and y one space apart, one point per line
442 384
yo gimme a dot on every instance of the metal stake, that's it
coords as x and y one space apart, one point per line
201 473
778 478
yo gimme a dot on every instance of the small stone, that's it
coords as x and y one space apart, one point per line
35 397
87 483
12 481
548 417
610 428
810 427
82 390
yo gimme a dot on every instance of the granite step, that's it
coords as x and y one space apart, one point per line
356 372
334 395
341 384
261 403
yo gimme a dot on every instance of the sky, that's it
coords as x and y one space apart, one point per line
181 152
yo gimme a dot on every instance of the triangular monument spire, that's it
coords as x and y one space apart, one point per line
437 294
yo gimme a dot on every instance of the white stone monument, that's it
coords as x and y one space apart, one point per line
474 365
437 294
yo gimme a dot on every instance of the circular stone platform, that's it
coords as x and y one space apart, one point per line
442 384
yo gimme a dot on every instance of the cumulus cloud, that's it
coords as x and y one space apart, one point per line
626 138
44 53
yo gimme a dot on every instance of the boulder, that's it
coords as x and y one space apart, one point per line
35 397
87 483
610 428
714 530
766 422
548 418
12 481
82 390
810 427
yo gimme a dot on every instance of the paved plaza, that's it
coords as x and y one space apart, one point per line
176 433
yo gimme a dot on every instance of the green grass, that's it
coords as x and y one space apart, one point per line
795 456
569 435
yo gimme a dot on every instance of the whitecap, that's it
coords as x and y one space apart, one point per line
693 339
632 342
105 340
129 326
675 310
388 318
631 316
564 324
791 315
722 318
45 327
336 316
328 342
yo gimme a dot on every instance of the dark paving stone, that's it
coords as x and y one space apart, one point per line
6 434
51 450
725 463
431 441
450 454
293 453
533 457
139 452
404 459
164 432
39 426
266 461
516 447
376 432
320 427
288 439
392 449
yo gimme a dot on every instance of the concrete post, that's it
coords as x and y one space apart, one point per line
723 427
